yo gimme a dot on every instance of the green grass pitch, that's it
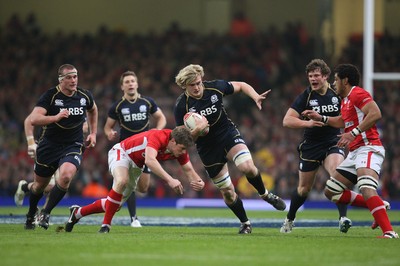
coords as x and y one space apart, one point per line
197 245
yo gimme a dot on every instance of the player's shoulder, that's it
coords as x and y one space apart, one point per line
332 91
181 99
114 106
216 84
161 135
144 97
305 94
357 89
51 94
119 101
217 87
359 92
52 91
84 92
147 99
155 131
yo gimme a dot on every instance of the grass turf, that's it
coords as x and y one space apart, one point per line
173 245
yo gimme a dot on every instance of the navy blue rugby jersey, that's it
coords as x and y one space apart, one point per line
328 104
211 106
133 116
67 130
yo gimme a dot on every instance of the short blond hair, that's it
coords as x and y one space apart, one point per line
188 74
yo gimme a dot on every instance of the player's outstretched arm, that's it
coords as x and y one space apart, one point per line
156 168
251 92
333 121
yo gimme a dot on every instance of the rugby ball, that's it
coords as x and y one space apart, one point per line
190 120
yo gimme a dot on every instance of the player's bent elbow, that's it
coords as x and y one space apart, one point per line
284 123
287 123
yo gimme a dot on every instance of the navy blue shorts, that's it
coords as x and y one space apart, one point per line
50 155
313 154
213 156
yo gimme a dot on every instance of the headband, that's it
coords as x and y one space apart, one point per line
61 77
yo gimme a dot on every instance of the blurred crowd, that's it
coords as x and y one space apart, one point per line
270 59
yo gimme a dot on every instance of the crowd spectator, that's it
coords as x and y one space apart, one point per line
241 26
266 59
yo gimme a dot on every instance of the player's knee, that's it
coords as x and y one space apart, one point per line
229 195
64 182
144 183
64 178
121 182
48 189
37 188
244 162
331 196
56 174
143 189
303 191
222 182
367 182
334 189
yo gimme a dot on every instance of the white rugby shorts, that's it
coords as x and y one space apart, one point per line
366 156
118 158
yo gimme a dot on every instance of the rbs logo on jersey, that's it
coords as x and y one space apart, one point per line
209 110
326 108
73 110
135 117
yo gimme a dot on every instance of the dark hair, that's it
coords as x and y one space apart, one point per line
125 74
318 64
348 71
182 136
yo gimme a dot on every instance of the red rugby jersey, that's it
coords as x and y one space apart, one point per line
135 146
352 116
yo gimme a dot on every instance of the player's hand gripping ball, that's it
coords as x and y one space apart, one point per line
191 119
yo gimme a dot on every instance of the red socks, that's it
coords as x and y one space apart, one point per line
353 199
374 204
378 210
114 201
95 207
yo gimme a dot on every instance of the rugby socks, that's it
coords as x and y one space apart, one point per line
296 201
55 196
33 203
96 207
352 198
342 208
378 210
257 183
131 203
238 210
25 188
112 205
